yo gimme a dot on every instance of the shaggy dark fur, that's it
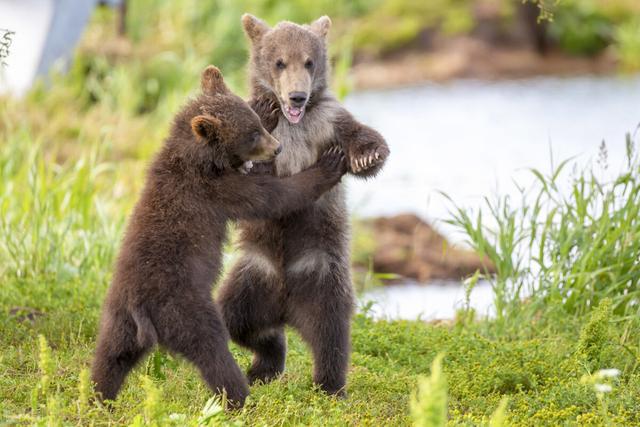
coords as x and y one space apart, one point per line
296 270
171 253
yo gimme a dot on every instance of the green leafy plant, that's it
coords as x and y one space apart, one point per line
581 28
429 403
498 418
596 337
627 37
569 245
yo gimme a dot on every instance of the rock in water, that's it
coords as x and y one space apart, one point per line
409 247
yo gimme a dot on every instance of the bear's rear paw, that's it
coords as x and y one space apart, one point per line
335 391
264 372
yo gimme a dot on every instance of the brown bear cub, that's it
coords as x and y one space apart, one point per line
171 253
296 270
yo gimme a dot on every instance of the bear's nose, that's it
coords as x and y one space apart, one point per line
297 98
278 150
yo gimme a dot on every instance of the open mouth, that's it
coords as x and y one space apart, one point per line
293 114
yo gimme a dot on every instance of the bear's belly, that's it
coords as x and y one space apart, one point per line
296 155
300 242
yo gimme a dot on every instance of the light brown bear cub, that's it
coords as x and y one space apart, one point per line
296 270
171 253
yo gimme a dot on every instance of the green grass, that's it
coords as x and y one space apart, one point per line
62 219
541 375
61 224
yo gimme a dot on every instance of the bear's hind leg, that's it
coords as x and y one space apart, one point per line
117 352
320 305
252 310
195 330
269 358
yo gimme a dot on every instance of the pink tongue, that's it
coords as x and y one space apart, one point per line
295 114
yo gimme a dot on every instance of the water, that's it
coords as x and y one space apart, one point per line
438 300
470 139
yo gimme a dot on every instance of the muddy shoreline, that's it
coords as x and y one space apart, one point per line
471 58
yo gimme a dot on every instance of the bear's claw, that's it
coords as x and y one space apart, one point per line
365 161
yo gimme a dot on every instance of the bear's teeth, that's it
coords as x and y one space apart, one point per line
294 114
246 167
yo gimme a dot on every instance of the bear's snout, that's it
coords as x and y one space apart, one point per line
298 99
267 149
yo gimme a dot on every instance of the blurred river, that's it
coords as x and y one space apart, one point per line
470 139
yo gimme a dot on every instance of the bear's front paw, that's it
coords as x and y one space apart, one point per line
268 110
362 159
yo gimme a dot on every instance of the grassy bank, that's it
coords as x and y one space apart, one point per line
60 226
541 369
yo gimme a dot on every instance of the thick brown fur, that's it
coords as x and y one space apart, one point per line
171 253
296 270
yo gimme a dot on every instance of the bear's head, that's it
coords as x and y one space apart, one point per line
289 60
229 125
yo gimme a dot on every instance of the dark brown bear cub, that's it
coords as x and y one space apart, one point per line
171 253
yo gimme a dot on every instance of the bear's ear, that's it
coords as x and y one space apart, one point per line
254 28
212 81
205 127
321 26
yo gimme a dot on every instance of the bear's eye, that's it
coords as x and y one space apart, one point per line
309 64
280 65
